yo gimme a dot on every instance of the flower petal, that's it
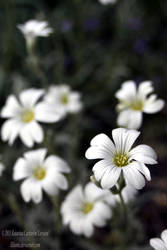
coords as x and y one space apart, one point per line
110 177
127 91
131 119
157 244
124 139
25 189
29 97
46 113
36 155
100 168
144 154
144 89
36 132
104 142
133 176
164 236
50 187
12 108
57 163
10 130
153 105
21 170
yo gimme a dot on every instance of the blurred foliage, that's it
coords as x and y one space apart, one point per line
94 48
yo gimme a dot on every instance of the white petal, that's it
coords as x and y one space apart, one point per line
36 155
92 192
133 176
50 187
88 229
97 153
47 113
25 136
110 177
25 189
21 170
57 163
153 105
12 108
36 132
36 192
29 97
127 91
131 119
164 236
61 181
144 154
100 168
144 89
10 130
157 244
124 139
143 169
104 142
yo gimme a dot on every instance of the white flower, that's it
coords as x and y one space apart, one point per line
107 1
63 99
2 167
85 208
40 173
118 157
160 244
33 28
23 117
134 102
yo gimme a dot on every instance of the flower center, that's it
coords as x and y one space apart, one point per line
137 105
121 160
64 99
39 173
27 116
87 207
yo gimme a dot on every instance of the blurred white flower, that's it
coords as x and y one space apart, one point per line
23 117
2 167
118 157
128 193
107 1
63 99
40 173
33 28
160 244
85 208
134 102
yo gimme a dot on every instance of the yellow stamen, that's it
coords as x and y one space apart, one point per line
137 105
64 99
27 116
87 207
39 173
121 160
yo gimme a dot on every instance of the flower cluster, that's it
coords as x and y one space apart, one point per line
121 168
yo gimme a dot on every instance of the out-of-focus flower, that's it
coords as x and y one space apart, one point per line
107 1
160 244
63 99
85 208
118 157
33 28
128 194
134 102
40 173
2 167
23 117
